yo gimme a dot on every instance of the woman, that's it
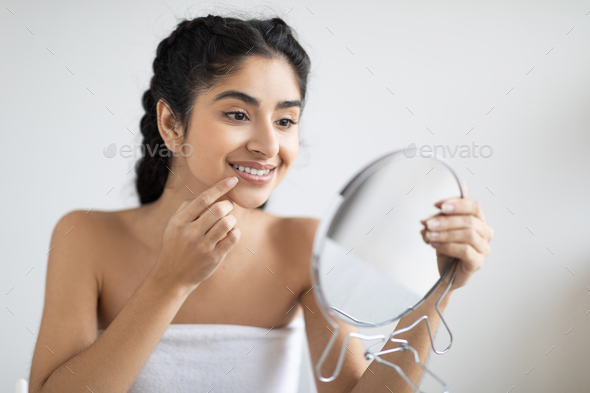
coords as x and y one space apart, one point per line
224 103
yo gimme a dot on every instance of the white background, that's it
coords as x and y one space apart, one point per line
382 72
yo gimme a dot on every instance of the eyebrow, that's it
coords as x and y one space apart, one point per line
253 101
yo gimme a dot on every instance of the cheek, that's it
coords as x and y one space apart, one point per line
209 153
290 149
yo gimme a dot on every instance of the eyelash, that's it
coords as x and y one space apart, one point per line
243 113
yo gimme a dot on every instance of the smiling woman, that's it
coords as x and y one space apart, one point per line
172 295
148 307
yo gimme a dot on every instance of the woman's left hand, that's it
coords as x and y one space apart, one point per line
461 232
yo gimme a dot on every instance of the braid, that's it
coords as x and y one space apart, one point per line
153 167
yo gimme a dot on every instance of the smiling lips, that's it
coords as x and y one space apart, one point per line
253 172
253 165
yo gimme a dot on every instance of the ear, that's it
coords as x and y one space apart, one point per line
170 130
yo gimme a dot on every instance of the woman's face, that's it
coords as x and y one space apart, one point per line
247 117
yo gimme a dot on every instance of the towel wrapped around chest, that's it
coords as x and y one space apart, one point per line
216 358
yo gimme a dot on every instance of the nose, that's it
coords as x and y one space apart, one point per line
264 139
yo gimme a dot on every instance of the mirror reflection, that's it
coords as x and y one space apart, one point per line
372 265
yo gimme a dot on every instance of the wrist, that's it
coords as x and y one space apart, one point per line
166 285
434 297
439 291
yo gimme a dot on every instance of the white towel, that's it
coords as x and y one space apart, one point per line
220 358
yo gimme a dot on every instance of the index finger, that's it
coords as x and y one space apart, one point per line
458 205
206 198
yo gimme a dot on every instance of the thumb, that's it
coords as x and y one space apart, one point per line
464 188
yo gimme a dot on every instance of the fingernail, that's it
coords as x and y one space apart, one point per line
432 234
447 208
232 181
433 223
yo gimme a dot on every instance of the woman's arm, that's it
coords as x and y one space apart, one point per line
357 376
67 358
380 377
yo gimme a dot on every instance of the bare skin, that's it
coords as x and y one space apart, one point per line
225 297
136 271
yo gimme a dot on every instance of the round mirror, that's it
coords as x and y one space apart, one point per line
370 263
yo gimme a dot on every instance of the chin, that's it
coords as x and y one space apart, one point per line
253 205
249 204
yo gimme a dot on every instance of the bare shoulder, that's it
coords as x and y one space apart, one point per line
82 236
79 229
294 234
70 252
79 243
300 228
87 228
93 219
297 234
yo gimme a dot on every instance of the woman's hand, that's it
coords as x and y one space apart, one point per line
461 232
198 237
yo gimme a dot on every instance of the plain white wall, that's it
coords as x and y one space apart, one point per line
513 75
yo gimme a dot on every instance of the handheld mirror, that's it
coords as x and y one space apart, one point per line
370 264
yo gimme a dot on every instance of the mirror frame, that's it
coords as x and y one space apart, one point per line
325 225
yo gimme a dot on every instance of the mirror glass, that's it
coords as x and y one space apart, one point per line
371 265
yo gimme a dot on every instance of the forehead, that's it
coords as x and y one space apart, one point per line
269 80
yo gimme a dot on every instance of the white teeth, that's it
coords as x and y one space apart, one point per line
257 172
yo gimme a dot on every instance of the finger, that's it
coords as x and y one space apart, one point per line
461 206
471 260
423 233
220 229
194 209
468 235
464 188
225 244
440 222
183 205
211 215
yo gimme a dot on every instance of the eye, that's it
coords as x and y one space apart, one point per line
288 124
239 115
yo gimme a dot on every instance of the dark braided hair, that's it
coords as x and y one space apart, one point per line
199 53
